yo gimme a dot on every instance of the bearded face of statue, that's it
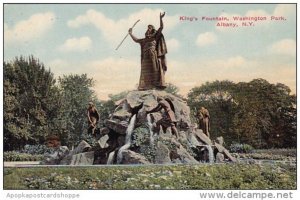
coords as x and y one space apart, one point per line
150 31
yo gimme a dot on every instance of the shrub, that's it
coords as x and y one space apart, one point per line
282 152
37 149
241 148
141 139
141 136
17 156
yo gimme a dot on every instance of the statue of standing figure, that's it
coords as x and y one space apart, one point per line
153 60
204 123
93 118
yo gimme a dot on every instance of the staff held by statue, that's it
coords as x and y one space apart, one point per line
126 35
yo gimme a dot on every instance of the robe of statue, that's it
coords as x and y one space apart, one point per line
153 62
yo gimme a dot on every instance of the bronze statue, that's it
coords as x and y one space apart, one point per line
204 123
168 120
93 118
153 61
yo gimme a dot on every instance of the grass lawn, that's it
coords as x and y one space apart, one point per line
217 176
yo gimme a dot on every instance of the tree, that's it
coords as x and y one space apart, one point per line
27 88
76 93
258 112
262 116
284 129
172 89
217 98
36 107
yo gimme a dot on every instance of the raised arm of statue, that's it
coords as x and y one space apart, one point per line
161 15
133 37
156 109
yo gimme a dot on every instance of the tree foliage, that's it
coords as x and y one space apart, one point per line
35 106
258 112
76 93
29 102
172 89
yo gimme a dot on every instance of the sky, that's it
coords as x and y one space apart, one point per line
82 38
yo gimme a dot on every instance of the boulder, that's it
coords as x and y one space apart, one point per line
178 154
56 157
122 114
220 158
202 137
193 140
223 150
182 136
86 158
136 98
103 141
183 155
162 154
82 147
131 157
66 160
219 147
138 102
220 140
117 125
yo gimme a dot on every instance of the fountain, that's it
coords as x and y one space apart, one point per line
127 139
